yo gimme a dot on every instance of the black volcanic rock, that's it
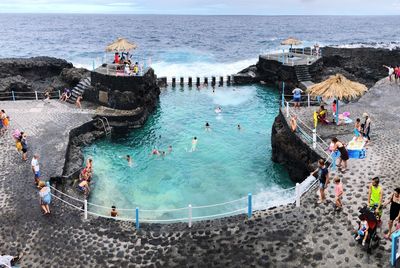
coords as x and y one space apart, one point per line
15 83
73 75
37 74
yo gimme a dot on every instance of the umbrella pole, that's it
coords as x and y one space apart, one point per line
337 111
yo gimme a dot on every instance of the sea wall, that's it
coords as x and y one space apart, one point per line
38 74
124 92
288 149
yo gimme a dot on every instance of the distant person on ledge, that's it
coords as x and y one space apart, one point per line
116 58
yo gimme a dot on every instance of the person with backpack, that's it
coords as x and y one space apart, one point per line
45 197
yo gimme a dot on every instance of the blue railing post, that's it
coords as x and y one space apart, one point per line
395 246
137 219
13 96
283 94
249 206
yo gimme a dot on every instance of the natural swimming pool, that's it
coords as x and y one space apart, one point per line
227 164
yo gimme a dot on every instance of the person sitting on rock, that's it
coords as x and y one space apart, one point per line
322 115
66 95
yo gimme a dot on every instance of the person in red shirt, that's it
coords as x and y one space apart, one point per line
116 57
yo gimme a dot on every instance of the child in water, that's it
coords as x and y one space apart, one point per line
194 144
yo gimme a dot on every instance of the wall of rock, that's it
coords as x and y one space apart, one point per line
288 149
38 74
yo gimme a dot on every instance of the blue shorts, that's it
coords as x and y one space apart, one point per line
296 99
37 174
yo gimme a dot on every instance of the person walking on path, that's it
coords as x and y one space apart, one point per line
344 155
36 168
366 127
394 202
24 145
45 197
375 194
297 96
338 193
323 177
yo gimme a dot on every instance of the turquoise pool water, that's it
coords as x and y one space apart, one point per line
227 164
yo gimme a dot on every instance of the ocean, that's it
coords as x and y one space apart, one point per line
185 45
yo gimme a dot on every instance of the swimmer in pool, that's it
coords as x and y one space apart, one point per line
163 154
218 110
155 152
239 127
207 126
129 159
194 144
170 149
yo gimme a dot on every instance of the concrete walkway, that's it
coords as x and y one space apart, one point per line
310 236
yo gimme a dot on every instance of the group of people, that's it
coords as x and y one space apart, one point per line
393 72
67 94
125 61
374 199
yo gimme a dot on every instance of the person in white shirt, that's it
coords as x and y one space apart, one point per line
36 168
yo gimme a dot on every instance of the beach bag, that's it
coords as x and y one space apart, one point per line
16 134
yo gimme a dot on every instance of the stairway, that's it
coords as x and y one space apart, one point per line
302 73
79 89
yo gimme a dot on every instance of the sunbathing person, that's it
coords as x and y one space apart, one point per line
322 115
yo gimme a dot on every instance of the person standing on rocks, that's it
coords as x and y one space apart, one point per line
390 72
297 96
394 202
323 177
338 193
366 127
35 168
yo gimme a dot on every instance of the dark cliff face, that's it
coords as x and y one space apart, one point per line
38 74
364 65
289 150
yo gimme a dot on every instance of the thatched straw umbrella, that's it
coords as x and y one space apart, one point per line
291 41
338 87
121 45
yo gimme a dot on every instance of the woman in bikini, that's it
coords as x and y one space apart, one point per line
394 202
344 155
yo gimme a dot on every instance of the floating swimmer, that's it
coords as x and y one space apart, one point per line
170 149
129 159
194 144
218 110
207 126
155 152
239 127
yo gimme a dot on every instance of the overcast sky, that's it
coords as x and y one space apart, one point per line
205 7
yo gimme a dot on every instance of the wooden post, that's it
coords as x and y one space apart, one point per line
190 81
228 82
197 81
221 81
173 81
206 81
182 82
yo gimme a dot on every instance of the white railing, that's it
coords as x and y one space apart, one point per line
18 95
189 214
